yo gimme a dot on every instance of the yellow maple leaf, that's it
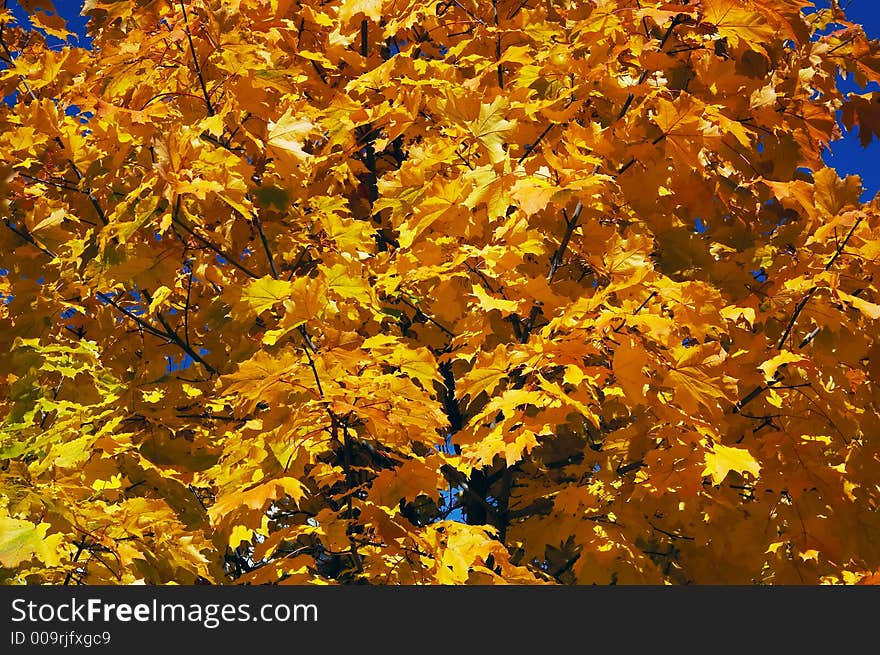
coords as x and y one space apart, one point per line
20 540
738 22
160 295
533 192
239 534
488 370
734 313
153 396
694 387
257 497
289 132
342 281
723 459
53 25
869 309
407 481
488 303
263 293
372 9
628 364
773 364
307 298
490 128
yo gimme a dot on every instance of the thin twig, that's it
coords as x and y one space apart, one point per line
29 238
215 249
306 347
843 244
570 226
365 47
51 183
192 49
644 75
175 338
213 417
137 319
186 308
88 192
803 302
349 483
11 61
265 241
428 318
794 317
530 148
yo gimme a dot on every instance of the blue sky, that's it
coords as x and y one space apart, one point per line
847 155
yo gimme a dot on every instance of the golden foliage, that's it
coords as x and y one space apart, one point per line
437 293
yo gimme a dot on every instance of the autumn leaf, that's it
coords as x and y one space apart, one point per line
696 380
21 540
723 459
488 303
863 111
772 365
307 297
489 128
488 370
628 364
372 9
263 293
288 134
406 482
738 22
869 309
160 295
256 497
53 25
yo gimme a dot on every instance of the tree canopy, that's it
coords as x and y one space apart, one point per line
469 291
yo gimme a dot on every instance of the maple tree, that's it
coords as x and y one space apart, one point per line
475 292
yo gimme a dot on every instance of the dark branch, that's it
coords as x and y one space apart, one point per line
28 237
214 248
175 338
265 242
803 302
192 49
570 226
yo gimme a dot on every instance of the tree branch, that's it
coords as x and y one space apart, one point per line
307 345
570 226
428 318
186 308
803 302
137 319
11 60
28 237
365 47
88 192
629 100
192 49
175 338
176 220
265 242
